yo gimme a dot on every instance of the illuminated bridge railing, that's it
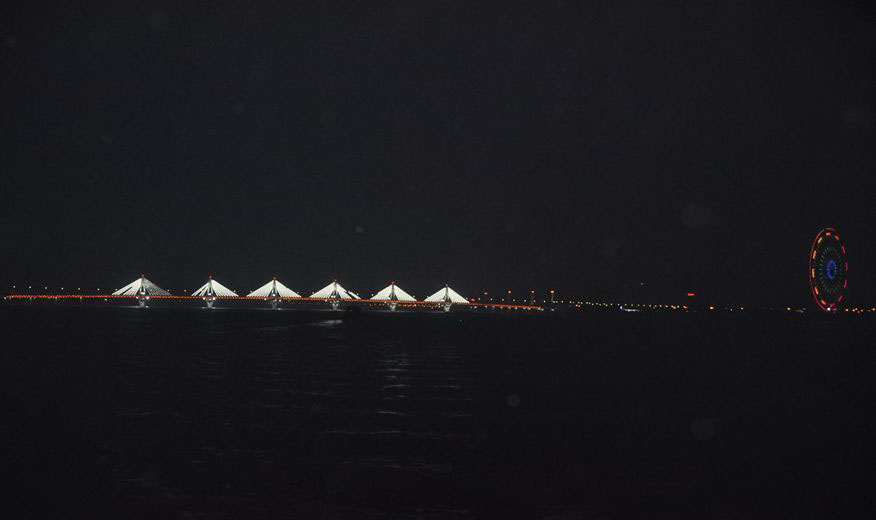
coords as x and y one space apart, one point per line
418 303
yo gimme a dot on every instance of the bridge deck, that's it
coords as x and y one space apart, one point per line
417 303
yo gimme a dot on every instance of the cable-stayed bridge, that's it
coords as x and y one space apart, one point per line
143 291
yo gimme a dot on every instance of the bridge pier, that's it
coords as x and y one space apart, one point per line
141 301
275 304
210 300
335 305
447 307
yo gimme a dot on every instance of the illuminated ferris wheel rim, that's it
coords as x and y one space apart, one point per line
828 293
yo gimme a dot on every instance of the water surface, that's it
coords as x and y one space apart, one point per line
185 413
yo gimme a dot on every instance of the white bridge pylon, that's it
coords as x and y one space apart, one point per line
447 296
392 294
142 288
336 293
212 290
273 291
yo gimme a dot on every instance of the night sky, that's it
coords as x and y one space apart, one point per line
590 147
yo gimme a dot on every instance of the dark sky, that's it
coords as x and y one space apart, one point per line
586 146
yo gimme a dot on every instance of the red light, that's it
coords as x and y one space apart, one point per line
691 295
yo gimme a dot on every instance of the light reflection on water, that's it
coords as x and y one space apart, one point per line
315 381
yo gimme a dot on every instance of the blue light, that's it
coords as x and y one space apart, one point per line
831 269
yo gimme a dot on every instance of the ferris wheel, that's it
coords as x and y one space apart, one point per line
828 270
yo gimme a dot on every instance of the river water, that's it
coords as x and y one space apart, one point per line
187 413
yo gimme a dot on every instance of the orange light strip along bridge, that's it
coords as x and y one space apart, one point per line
261 298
